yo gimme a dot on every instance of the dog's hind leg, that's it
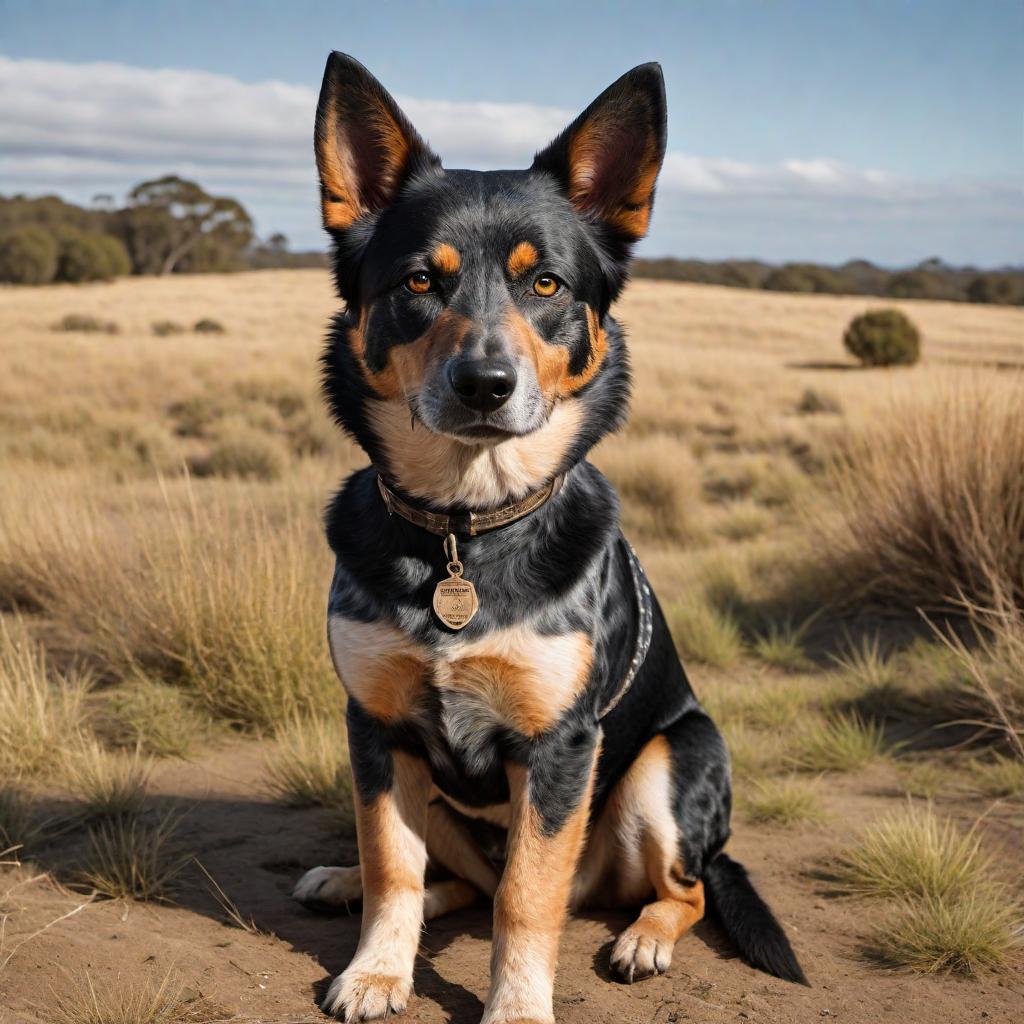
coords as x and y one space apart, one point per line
639 847
450 845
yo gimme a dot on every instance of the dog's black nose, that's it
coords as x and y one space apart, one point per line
483 384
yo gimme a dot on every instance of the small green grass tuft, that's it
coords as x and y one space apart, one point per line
704 633
997 776
973 934
841 743
753 753
782 646
787 802
309 766
131 859
109 783
865 665
912 853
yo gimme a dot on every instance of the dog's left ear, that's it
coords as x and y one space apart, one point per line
608 159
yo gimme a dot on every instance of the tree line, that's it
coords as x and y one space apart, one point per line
173 225
930 279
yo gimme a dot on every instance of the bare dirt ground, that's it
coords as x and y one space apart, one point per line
256 849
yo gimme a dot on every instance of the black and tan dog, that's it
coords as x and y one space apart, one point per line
500 647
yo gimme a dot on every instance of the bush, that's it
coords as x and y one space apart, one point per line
28 256
249 456
163 328
208 326
86 324
883 337
84 258
805 277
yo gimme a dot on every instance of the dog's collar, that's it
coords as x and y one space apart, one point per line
467 524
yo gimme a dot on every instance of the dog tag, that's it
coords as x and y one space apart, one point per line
455 600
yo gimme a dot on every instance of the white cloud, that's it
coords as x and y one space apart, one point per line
78 129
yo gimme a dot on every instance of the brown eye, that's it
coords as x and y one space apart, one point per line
419 283
545 286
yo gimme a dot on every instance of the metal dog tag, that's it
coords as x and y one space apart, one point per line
455 600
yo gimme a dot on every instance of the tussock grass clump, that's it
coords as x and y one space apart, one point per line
929 500
247 454
787 801
743 520
866 666
207 325
974 934
309 765
782 646
840 743
19 822
752 752
131 859
815 401
705 634
39 716
84 324
80 1001
997 776
156 718
925 779
165 328
912 852
108 783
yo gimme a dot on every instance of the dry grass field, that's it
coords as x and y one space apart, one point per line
840 553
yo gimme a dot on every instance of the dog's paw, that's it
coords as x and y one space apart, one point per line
640 953
358 995
329 888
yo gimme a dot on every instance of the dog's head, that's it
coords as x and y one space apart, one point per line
477 300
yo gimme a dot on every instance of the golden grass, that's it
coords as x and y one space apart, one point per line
133 859
308 766
108 783
156 718
929 498
996 776
786 802
973 934
40 715
168 1001
782 646
912 852
704 634
839 743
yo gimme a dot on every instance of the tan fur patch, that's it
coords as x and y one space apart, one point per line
528 680
378 665
407 364
446 259
446 471
551 362
523 258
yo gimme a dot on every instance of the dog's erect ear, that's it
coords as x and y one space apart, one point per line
608 159
365 147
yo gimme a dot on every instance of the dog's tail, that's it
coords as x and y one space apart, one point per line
748 921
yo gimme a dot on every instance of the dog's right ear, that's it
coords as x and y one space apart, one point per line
366 149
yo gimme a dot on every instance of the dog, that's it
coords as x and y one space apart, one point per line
503 656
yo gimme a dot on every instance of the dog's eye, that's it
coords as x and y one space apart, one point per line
545 286
419 283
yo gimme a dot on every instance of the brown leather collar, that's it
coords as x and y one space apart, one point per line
467 523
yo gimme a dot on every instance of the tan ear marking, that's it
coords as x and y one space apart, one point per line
523 258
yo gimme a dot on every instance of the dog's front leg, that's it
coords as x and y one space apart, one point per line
391 795
550 802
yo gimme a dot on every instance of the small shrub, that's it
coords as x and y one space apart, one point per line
975 933
883 337
208 326
309 767
165 328
704 633
86 324
28 255
129 859
247 455
913 853
814 401
786 802
843 743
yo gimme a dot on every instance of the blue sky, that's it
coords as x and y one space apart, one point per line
821 130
